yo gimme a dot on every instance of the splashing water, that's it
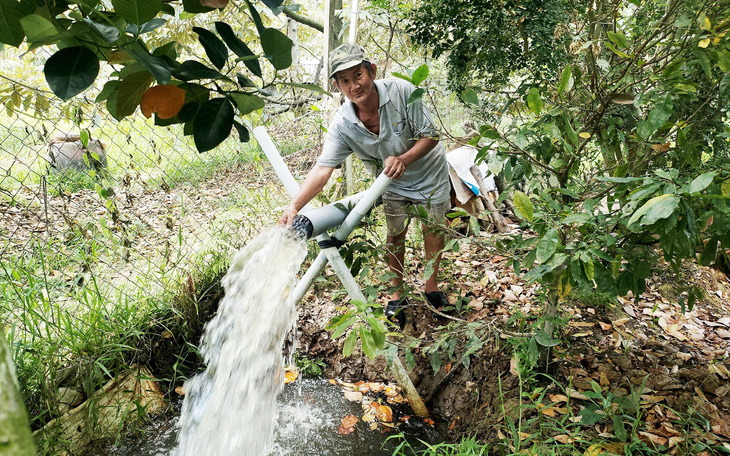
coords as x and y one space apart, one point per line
229 409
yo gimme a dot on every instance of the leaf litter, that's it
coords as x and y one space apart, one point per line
673 360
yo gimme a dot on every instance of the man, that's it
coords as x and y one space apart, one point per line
388 135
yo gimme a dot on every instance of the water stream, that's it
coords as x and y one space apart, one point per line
229 409
234 407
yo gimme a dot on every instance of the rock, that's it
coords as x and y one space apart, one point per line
68 398
70 154
101 415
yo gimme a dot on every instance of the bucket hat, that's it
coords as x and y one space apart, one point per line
345 57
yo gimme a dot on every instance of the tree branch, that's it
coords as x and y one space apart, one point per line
303 20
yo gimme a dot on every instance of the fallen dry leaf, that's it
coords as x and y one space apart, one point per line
605 326
653 438
620 321
376 387
348 425
290 375
573 394
557 398
382 412
353 396
564 438
722 429
582 324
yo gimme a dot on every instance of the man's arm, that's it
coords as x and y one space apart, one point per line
395 167
313 184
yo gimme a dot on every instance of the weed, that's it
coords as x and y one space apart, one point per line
309 366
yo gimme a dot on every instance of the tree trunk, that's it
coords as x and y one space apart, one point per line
15 437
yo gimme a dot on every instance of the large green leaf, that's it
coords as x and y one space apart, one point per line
155 65
106 31
547 245
130 92
659 114
277 48
420 75
11 30
349 345
470 96
212 124
701 182
147 27
37 27
723 60
663 209
272 4
137 11
71 70
655 209
109 88
523 206
566 80
415 96
618 38
709 252
238 47
534 100
545 340
368 344
247 103
191 69
256 18
214 48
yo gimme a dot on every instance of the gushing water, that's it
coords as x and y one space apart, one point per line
229 409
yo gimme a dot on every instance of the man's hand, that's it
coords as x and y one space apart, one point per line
394 167
288 216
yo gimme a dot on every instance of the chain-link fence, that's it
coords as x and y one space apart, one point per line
105 224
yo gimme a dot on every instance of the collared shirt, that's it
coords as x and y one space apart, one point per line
426 179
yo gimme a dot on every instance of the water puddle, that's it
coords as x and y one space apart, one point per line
234 406
308 413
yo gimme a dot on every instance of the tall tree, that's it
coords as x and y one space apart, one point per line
15 437
610 117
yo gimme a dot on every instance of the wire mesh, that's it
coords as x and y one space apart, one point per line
140 224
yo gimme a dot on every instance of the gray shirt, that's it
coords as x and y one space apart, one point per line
426 179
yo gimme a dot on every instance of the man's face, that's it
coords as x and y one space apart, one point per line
356 83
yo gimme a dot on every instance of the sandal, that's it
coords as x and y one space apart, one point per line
437 299
394 311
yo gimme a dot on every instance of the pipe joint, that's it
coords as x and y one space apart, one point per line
331 242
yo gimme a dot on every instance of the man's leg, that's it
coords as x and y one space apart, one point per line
433 243
396 259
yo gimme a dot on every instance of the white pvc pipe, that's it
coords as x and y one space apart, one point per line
353 20
280 168
370 196
330 255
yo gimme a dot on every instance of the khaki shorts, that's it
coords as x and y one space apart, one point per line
399 210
